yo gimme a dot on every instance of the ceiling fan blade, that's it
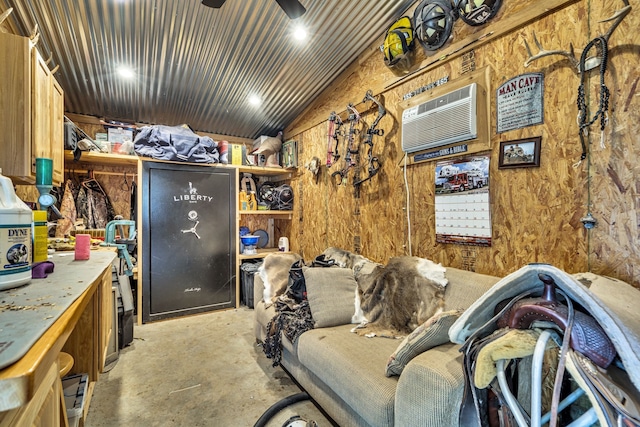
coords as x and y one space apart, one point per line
216 4
293 8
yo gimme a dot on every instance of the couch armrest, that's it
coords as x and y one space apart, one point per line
430 389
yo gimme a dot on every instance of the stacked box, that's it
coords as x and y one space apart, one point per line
237 154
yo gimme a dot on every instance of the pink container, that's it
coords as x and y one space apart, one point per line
83 246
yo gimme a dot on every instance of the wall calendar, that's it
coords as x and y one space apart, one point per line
462 201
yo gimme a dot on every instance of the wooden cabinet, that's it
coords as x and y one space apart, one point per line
32 106
30 388
57 131
40 106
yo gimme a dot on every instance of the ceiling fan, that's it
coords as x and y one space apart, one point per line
293 8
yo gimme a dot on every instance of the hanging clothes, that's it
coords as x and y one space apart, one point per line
134 202
67 209
82 208
93 205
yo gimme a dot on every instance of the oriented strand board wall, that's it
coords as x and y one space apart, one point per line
535 212
615 173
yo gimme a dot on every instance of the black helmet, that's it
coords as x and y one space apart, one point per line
433 23
282 198
477 12
265 193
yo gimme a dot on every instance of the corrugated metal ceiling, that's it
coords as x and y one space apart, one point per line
199 65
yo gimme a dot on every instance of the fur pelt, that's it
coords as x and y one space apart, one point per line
397 298
393 300
274 273
346 259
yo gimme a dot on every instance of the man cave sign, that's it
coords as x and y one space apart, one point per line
519 102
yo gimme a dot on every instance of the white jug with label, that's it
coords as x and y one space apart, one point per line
15 237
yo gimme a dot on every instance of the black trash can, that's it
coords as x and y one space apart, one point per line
248 269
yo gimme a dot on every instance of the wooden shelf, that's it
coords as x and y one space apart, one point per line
261 170
270 213
261 253
112 159
108 159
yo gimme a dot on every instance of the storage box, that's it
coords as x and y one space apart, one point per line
120 135
258 141
75 389
237 154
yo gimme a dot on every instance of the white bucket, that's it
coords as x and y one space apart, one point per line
15 237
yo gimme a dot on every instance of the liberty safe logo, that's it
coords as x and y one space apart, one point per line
191 196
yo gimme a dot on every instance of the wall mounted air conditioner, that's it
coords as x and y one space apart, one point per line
442 120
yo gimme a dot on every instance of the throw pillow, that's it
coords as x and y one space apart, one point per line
432 333
331 292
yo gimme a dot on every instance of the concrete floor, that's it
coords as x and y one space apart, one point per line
203 370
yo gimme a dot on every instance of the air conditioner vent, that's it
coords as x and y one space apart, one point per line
444 120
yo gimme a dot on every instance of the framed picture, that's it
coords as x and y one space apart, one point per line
289 154
520 153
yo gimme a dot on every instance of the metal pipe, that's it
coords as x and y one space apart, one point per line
506 392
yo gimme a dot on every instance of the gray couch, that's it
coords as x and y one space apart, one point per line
345 373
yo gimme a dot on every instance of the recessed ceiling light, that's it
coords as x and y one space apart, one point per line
255 100
126 72
300 33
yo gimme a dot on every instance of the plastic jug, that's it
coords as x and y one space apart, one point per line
242 200
15 237
252 203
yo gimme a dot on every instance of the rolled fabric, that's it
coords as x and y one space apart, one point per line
83 246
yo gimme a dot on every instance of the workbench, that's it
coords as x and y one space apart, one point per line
71 311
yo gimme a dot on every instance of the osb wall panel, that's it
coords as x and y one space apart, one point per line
535 212
614 171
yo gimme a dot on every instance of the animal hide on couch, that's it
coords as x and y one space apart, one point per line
274 273
394 299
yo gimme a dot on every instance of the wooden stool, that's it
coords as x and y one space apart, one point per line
65 363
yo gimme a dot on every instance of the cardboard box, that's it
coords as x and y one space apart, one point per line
237 154
258 141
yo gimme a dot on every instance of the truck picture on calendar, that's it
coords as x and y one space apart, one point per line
464 181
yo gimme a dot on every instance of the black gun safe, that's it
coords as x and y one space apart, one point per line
188 239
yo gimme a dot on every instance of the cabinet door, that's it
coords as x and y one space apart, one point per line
40 109
57 131
105 316
15 106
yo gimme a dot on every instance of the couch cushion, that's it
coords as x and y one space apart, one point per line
430 389
331 293
433 332
465 287
353 367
